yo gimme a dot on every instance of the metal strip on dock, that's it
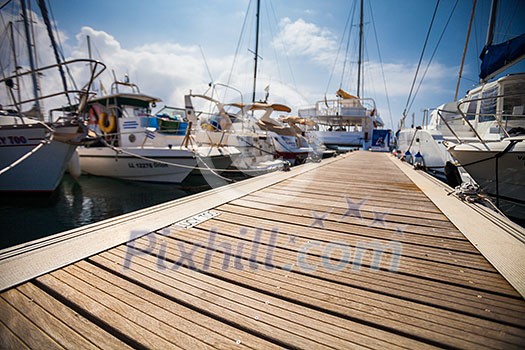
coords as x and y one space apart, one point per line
354 252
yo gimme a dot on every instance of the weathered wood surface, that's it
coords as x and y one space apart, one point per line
348 254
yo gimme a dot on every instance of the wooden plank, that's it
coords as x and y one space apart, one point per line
335 223
442 326
366 206
501 249
289 326
55 328
365 219
424 256
453 297
143 335
23 328
9 340
98 336
206 329
324 190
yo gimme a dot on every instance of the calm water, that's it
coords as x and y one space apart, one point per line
77 203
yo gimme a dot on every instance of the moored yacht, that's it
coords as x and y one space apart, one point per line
495 155
345 122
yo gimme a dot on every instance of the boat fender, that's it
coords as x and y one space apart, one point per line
452 175
408 157
73 167
419 162
107 123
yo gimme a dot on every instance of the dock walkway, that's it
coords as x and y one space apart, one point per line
348 253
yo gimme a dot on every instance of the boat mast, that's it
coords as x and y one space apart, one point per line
45 16
465 49
15 61
256 48
359 59
30 54
492 23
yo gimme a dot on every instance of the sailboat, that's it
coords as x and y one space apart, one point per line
34 153
266 143
348 121
494 113
232 125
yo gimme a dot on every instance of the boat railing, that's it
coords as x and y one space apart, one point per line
75 94
496 117
354 107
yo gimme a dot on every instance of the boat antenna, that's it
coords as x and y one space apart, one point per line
465 49
359 59
257 15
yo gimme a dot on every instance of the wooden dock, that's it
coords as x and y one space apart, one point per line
359 251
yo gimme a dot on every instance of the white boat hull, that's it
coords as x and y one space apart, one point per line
340 138
149 164
499 168
256 151
40 172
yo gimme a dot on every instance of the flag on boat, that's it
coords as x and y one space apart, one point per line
150 133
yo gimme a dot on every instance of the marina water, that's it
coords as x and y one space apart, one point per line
80 202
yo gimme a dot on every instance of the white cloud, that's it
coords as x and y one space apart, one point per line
300 38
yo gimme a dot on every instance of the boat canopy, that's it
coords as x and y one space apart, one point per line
345 95
298 120
262 106
498 57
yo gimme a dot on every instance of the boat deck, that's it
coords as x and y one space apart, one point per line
347 253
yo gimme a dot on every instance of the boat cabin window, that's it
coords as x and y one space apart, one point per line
472 108
514 100
133 111
488 104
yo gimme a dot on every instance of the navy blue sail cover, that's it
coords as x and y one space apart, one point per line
497 57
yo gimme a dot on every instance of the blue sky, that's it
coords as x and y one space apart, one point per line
161 44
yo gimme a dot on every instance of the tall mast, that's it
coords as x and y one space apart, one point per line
15 61
359 59
30 54
256 48
45 16
465 49
492 23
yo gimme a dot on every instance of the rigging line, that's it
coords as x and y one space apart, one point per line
284 49
381 64
59 45
5 4
338 51
405 112
239 43
347 46
433 54
206 63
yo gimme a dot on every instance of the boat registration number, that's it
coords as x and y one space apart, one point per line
12 140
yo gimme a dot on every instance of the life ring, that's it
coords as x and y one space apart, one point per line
107 123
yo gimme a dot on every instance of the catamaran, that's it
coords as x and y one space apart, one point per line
494 113
349 121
